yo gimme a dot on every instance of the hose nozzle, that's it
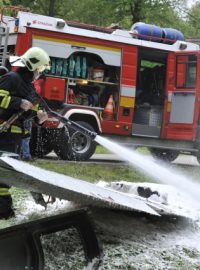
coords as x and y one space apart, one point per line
91 134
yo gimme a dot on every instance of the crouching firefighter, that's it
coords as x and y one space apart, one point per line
17 94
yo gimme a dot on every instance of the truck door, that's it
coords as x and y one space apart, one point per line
150 93
181 107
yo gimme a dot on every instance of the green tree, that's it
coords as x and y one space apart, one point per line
193 20
45 7
165 13
5 2
88 11
161 12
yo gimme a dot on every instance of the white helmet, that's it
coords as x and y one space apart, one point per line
35 59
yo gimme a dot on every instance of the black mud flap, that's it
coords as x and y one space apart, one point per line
35 245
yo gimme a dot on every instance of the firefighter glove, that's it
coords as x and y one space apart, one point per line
42 116
26 105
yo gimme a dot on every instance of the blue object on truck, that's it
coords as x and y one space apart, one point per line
155 33
172 35
147 32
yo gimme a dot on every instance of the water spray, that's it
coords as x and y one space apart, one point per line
152 168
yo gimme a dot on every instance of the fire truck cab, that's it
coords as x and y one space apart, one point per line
139 87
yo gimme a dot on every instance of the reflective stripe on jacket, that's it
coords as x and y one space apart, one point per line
16 129
4 191
14 87
5 99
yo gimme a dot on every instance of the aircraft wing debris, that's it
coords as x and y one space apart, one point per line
143 197
21 174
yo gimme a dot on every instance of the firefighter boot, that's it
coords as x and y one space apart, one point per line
6 204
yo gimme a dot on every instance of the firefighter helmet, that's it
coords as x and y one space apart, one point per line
36 59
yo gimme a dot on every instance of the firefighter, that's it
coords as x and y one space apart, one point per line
17 93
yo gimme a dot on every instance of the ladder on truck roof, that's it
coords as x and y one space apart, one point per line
4 30
4 33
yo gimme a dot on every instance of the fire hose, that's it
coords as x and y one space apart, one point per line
69 123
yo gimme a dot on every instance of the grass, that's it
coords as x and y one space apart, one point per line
95 172
101 150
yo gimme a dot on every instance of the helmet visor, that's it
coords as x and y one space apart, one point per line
16 61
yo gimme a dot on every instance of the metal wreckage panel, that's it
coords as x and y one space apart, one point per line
21 248
21 174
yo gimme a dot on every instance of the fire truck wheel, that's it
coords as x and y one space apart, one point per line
40 144
82 147
61 145
164 154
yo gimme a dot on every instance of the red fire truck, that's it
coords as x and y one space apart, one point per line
139 87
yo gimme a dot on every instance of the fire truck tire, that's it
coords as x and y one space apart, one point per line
164 154
60 145
40 144
81 147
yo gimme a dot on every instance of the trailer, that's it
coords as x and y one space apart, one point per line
139 87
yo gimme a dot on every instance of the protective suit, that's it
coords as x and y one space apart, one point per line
17 93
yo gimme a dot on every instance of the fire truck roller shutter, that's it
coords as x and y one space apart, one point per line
62 47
